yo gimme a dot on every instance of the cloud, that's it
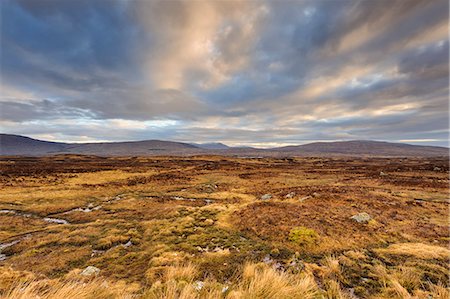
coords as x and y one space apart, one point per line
244 72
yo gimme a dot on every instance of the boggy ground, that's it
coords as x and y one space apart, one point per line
156 226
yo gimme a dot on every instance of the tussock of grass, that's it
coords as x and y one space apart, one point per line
260 281
186 272
46 289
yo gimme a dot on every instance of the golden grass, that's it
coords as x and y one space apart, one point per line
417 250
260 281
175 244
91 290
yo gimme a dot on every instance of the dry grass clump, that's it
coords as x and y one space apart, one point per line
417 250
261 281
257 281
25 285
186 272
51 289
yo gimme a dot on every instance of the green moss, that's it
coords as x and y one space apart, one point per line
303 236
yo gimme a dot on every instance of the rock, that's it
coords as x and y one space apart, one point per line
127 244
437 169
361 217
290 195
267 259
90 270
266 196
208 222
198 285
383 174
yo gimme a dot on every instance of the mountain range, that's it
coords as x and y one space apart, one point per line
16 145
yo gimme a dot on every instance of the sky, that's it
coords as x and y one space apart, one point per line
254 73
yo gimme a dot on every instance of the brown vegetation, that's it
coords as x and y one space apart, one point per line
212 227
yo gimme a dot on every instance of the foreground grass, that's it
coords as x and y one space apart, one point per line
255 281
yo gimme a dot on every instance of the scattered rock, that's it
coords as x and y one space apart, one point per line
90 270
289 195
198 285
361 217
266 196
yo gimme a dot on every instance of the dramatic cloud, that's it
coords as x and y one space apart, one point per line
258 73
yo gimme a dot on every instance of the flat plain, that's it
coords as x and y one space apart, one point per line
212 226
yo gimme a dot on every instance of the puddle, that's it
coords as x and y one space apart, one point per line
4 246
55 220
27 215
9 244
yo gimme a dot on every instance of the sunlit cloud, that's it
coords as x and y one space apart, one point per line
257 73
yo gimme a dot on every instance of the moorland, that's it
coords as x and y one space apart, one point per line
80 226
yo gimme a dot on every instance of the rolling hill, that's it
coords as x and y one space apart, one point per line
15 145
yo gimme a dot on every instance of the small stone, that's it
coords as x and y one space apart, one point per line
198 285
90 270
290 195
127 244
266 196
361 217
437 169
383 174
